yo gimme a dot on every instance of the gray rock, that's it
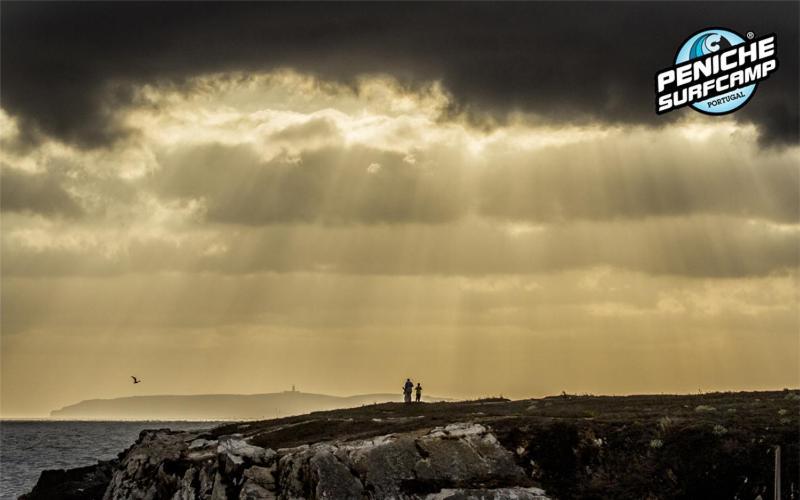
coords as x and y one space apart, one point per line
459 461
202 443
293 471
515 493
465 456
262 476
186 490
238 450
385 463
220 490
332 479
253 491
142 474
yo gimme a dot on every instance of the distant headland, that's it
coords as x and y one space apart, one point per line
217 406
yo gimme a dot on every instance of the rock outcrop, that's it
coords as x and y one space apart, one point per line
457 461
73 484
570 446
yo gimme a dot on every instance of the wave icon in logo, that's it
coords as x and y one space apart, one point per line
708 42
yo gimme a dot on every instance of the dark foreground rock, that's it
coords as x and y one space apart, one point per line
458 461
703 446
74 484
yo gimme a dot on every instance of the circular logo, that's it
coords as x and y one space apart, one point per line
707 42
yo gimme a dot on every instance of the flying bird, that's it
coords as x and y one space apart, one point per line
135 380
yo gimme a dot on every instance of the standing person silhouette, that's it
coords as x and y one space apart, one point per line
407 388
419 391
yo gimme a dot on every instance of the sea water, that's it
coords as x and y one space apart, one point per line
27 447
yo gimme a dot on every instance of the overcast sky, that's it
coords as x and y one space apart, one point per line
237 198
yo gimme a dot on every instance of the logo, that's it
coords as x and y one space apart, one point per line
716 71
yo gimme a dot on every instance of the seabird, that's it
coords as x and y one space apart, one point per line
135 380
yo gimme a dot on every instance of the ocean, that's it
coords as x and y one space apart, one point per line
31 446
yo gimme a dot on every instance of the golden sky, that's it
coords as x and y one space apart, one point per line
254 231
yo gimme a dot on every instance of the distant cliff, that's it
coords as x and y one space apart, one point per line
217 406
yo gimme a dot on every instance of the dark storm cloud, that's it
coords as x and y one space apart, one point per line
67 67
35 193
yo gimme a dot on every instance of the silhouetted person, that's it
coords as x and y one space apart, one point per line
407 388
419 391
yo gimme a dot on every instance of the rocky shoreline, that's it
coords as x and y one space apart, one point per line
700 446
457 461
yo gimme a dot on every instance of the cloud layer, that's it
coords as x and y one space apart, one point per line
285 173
68 69
246 231
35 193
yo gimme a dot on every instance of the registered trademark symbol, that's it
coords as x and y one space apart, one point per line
750 35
